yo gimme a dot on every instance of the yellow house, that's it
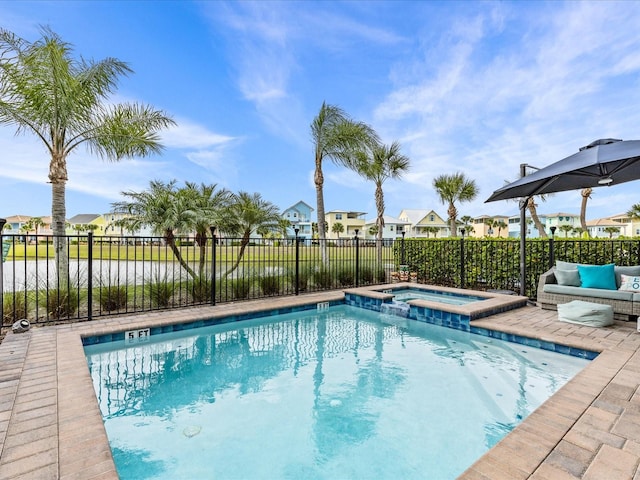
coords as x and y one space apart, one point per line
491 226
86 222
628 227
350 222
424 224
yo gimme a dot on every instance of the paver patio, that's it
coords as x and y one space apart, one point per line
51 426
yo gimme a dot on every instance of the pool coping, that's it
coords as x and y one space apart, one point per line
51 426
491 303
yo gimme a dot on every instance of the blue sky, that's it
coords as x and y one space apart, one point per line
472 87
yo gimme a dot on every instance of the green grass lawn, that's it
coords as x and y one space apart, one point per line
190 253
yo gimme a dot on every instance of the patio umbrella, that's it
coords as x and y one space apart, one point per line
604 162
601 163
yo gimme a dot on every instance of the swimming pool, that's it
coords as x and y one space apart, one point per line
338 393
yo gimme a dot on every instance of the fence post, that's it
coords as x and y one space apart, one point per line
297 261
462 262
89 274
213 264
357 259
552 252
402 262
2 223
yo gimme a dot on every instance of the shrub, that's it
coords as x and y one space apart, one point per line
346 276
270 284
240 288
304 274
114 298
322 278
200 289
366 275
62 302
14 307
160 291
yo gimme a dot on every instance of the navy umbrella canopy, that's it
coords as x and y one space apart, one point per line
601 163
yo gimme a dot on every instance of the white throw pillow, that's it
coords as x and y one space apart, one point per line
629 283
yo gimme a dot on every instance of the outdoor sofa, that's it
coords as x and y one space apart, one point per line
618 286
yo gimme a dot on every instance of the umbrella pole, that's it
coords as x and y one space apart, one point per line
523 244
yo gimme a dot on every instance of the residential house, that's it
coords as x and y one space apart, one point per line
299 215
393 228
83 223
25 224
532 231
351 221
629 227
112 229
424 224
15 223
603 228
566 224
490 226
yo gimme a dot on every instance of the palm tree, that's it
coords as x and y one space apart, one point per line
379 164
337 137
432 229
586 195
500 224
337 228
245 214
466 221
64 103
163 209
204 205
454 188
35 223
611 230
566 229
634 211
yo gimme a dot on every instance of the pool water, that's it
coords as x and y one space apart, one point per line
406 294
341 393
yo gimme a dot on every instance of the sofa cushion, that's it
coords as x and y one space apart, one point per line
566 265
567 277
598 276
588 292
633 270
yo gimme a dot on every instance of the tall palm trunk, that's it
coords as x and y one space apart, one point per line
453 213
586 195
318 178
58 178
379 222
531 205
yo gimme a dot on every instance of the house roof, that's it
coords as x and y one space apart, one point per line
83 218
18 218
295 206
561 214
602 222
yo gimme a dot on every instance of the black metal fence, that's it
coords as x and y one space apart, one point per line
112 276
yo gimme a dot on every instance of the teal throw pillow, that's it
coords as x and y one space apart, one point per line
569 278
598 276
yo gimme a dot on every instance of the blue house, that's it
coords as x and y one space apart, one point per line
300 217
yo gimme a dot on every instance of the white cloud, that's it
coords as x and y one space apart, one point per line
188 135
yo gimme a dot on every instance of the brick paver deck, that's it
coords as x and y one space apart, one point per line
51 426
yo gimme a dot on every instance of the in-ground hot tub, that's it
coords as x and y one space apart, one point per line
449 307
